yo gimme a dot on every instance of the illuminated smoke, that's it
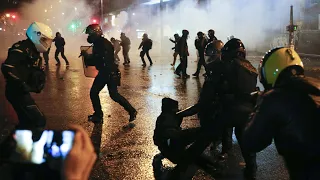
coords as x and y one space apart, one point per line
70 17
252 21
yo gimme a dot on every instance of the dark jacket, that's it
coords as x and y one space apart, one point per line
289 114
125 42
22 65
103 55
200 44
59 42
146 44
182 47
230 83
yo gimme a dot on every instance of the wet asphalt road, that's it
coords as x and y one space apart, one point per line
128 154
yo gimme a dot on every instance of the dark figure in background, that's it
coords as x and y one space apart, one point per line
226 101
171 140
289 113
109 74
146 45
46 57
117 49
23 74
211 34
200 44
59 42
125 43
183 53
175 48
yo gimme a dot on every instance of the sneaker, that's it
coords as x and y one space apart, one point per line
178 74
133 116
95 118
144 65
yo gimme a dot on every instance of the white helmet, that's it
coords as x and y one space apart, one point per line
41 35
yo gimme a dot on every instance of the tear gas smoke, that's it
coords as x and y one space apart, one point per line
253 21
69 17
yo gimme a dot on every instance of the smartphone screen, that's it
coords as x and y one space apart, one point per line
38 147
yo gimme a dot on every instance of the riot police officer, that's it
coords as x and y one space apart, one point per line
23 73
146 46
103 58
287 112
225 101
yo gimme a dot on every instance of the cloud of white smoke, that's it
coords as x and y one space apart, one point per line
69 17
250 20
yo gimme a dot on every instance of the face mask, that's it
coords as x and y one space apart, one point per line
90 39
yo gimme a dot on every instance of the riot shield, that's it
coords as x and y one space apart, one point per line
88 62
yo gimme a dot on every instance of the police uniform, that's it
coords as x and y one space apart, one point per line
146 45
289 113
103 55
22 70
224 102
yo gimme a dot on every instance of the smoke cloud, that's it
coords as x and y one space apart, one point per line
69 17
254 22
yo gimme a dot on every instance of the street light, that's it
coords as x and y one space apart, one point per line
8 15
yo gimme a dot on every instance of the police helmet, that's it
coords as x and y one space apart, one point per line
277 62
41 36
212 51
232 49
94 29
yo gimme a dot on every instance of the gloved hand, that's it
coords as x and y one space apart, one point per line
83 53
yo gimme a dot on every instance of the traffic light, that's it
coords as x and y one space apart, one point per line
94 21
292 28
74 25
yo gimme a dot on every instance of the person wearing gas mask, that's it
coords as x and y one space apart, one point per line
146 45
225 101
200 44
24 75
109 74
183 53
60 43
212 37
125 43
175 48
287 112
